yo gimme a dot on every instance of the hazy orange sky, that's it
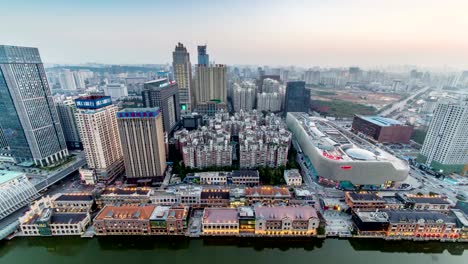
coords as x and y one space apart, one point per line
269 32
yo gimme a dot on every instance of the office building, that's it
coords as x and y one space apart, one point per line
183 76
142 137
96 117
16 191
297 97
203 57
382 129
210 83
66 111
30 124
446 143
164 94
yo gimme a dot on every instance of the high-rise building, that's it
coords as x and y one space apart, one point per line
164 94
243 97
66 111
79 79
203 57
210 83
29 119
297 97
96 117
142 136
269 102
446 144
183 76
67 80
270 86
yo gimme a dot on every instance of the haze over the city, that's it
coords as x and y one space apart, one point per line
303 33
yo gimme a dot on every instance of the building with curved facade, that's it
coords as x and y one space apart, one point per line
340 156
16 191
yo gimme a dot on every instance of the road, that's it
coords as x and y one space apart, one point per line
433 184
399 105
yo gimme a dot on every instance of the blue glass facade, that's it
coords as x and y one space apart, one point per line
297 97
11 125
203 57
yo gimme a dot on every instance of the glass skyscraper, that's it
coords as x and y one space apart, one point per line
29 121
297 97
203 58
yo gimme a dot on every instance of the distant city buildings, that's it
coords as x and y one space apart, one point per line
97 122
116 91
382 130
66 110
183 76
142 137
446 143
164 94
30 124
297 97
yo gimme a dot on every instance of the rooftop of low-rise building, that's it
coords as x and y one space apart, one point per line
135 212
428 199
381 121
461 216
74 197
126 191
292 174
220 215
355 196
243 173
412 216
214 193
271 191
246 211
281 212
379 217
160 213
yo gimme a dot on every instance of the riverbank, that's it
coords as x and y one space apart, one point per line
131 249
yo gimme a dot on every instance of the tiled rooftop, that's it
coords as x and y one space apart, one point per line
220 215
271 191
75 197
280 212
126 212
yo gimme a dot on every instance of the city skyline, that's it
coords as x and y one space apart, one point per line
335 33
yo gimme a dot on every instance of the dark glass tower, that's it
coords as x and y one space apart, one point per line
203 58
297 97
164 94
29 121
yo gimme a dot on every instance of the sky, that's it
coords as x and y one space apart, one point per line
306 33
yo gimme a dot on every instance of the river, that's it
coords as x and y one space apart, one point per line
142 250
